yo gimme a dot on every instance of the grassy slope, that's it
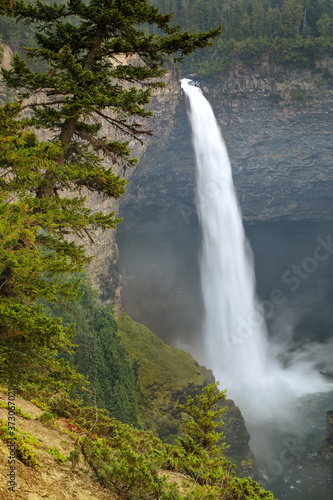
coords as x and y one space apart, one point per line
159 363
166 374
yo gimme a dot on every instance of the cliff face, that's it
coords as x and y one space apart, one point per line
277 127
325 450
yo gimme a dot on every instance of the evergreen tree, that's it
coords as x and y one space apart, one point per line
200 453
85 83
100 356
203 418
34 257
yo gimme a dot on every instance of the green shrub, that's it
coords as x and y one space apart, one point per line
299 95
56 453
47 418
23 441
275 97
74 457
128 462
26 453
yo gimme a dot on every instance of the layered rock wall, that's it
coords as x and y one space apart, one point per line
277 124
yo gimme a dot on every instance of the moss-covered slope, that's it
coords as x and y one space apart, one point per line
168 374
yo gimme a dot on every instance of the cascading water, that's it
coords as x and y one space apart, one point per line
237 344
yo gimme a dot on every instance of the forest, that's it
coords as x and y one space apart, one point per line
289 32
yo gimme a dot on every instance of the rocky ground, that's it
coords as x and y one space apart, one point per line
52 480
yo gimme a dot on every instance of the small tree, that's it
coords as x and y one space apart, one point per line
200 453
204 418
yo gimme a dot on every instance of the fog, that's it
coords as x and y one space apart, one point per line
161 279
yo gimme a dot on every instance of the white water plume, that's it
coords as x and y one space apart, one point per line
237 345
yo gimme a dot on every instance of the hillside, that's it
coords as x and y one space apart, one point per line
52 479
168 374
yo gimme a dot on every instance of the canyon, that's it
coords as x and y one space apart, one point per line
277 124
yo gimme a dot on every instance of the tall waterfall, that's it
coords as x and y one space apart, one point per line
237 345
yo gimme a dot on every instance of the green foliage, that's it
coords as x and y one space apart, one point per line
131 462
33 259
26 453
85 78
293 32
56 453
275 97
162 371
135 464
128 462
299 95
200 428
200 452
47 418
22 442
82 84
100 355
74 457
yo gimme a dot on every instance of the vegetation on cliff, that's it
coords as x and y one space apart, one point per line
165 373
132 463
292 32
100 355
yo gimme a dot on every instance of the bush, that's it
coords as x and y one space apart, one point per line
56 453
128 462
47 418
275 97
299 95
26 453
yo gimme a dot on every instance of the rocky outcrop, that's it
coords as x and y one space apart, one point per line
325 449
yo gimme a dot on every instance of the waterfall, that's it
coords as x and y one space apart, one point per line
237 345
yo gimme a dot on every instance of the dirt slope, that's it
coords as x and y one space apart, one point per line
53 480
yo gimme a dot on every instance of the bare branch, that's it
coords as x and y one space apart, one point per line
47 103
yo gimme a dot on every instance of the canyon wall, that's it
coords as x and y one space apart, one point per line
277 124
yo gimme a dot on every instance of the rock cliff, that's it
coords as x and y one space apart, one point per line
277 126
325 452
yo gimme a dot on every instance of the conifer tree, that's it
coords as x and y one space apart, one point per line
93 75
101 67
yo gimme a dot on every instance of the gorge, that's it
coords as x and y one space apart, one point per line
280 152
277 126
